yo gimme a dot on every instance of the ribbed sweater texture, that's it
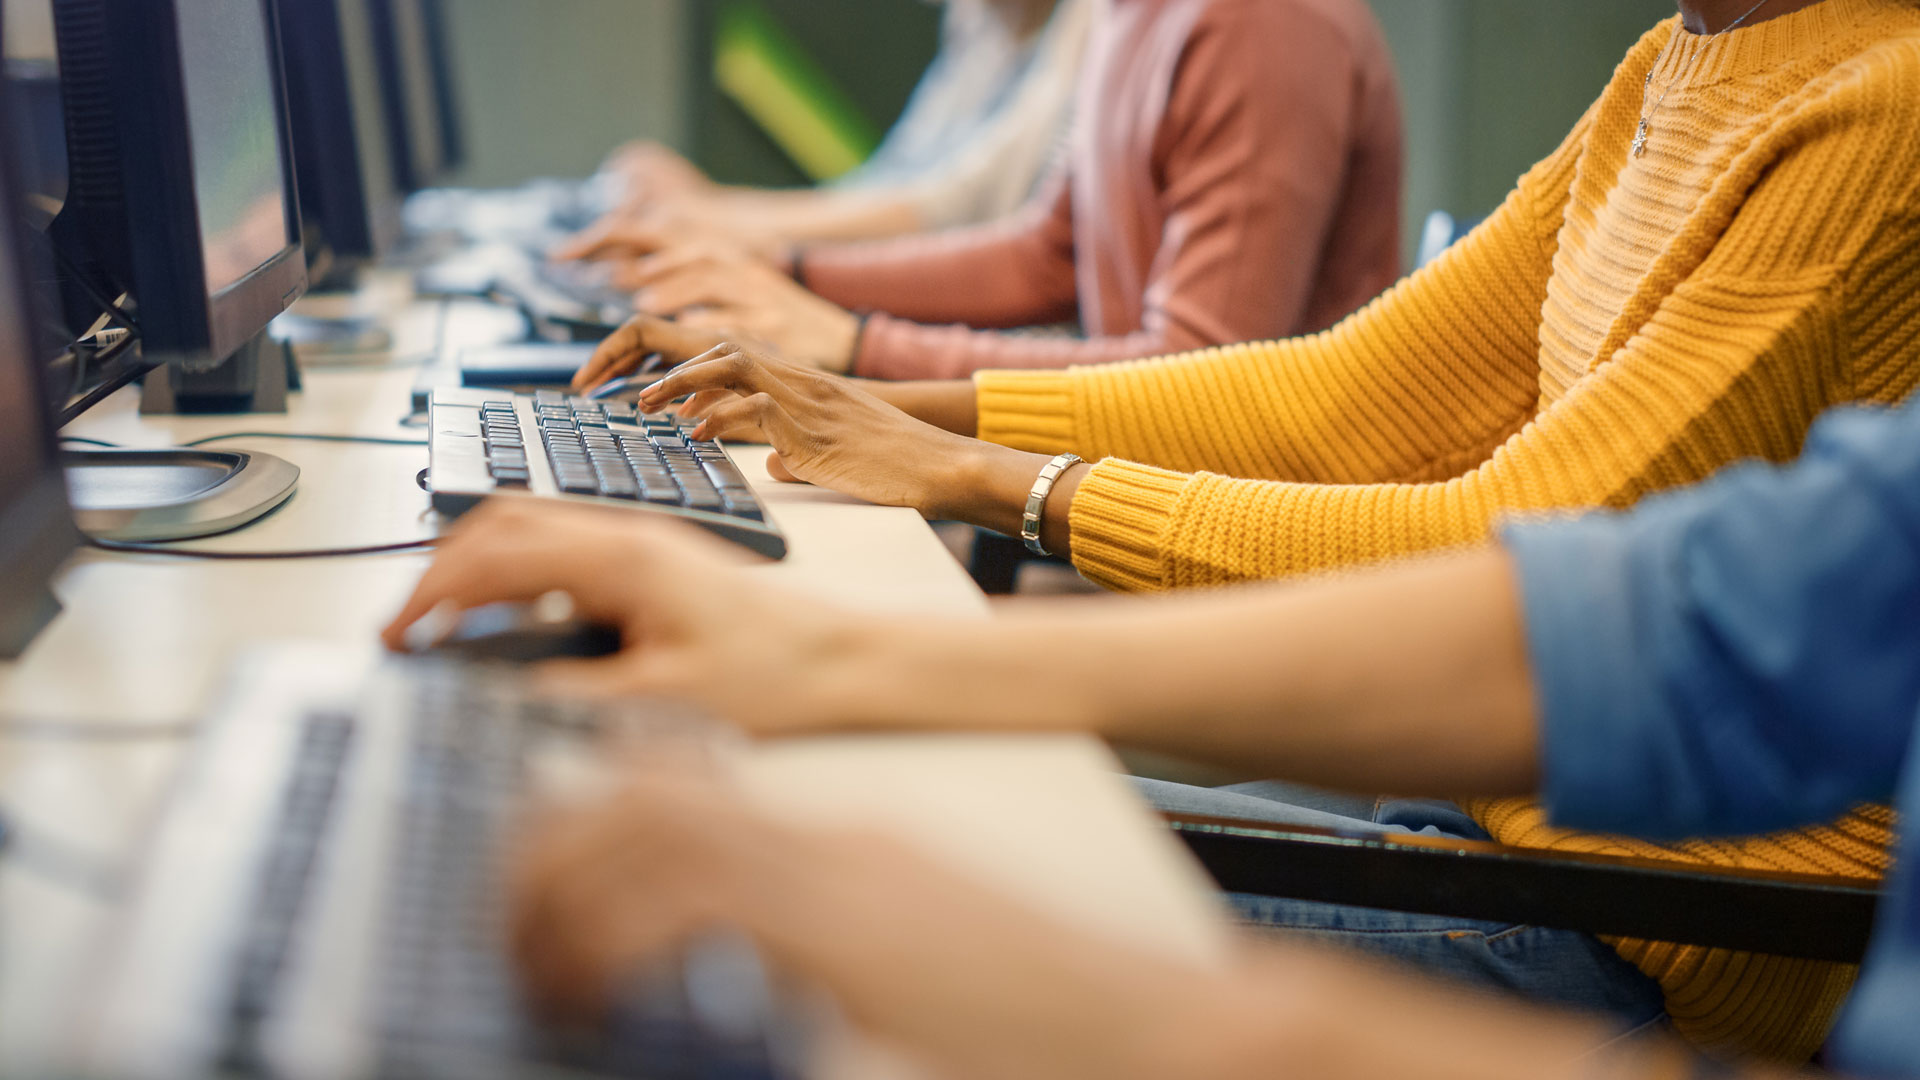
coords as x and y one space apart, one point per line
1622 324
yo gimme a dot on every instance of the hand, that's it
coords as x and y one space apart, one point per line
695 624
825 429
727 290
654 172
702 224
642 343
969 981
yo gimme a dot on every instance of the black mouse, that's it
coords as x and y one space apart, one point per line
511 633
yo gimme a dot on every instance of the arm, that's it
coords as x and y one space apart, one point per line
1247 172
601 891
1018 272
1739 658
1727 652
1436 371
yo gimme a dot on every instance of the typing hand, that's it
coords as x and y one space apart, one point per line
717 288
654 172
968 981
637 344
825 429
695 623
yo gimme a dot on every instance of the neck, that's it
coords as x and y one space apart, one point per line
1713 16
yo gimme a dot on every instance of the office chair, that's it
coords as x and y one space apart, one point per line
1798 915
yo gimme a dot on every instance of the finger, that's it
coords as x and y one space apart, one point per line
694 287
725 368
742 418
634 345
777 468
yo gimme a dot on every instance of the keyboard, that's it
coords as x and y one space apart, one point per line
550 444
444 998
570 301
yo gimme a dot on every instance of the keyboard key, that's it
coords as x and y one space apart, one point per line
723 474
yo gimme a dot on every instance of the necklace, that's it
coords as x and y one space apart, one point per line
1645 129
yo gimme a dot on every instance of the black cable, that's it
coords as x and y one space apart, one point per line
111 384
296 435
369 440
128 547
107 304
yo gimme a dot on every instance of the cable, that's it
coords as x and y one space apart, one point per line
369 440
111 384
128 547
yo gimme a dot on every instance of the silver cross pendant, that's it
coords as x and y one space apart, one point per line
1640 140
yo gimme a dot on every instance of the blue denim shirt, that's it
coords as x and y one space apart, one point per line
1743 657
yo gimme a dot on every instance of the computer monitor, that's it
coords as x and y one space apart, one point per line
417 73
181 186
349 201
36 531
453 136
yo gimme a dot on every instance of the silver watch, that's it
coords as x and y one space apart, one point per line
1037 502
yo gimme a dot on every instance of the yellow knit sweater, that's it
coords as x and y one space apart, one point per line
1620 325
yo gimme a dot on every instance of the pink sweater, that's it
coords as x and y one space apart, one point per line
1234 175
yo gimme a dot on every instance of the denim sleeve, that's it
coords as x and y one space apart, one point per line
1738 657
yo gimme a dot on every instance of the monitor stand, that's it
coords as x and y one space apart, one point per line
144 496
256 378
22 625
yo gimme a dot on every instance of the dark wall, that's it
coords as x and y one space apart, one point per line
875 49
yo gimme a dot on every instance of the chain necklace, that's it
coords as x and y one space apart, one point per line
1645 129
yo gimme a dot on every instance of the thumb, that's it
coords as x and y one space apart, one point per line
777 469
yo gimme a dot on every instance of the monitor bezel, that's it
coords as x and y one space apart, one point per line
180 320
37 532
340 186
411 148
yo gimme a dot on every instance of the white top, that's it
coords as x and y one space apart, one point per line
987 119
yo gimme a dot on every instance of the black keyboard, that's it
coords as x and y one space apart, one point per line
551 444
566 301
447 1003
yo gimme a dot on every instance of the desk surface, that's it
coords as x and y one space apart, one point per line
148 639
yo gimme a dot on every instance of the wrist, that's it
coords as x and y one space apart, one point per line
842 343
983 484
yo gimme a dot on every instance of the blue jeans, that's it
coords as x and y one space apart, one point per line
1551 967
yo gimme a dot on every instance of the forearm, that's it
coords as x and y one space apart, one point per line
811 217
1410 679
948 404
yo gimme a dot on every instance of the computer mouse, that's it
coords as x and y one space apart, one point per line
515 634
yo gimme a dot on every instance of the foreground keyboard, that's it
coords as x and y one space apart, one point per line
549 444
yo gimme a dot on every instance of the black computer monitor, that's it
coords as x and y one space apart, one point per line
36 531
453 136
417 73
349 200
181 182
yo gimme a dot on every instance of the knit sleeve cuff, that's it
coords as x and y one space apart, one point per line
1120 519
1027 410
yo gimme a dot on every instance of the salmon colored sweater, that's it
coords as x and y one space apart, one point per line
1622 324
1233 173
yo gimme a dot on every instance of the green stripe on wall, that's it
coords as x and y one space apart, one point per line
759 65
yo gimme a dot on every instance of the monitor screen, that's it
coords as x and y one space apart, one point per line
233 123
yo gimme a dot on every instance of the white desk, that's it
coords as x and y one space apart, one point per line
148 639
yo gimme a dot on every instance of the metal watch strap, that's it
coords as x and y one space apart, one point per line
1037 502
